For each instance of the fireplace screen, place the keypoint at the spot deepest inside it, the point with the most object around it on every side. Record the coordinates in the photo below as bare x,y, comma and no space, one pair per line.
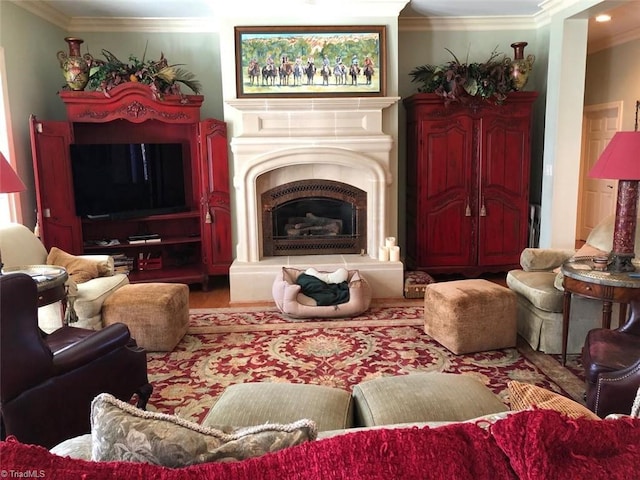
313,217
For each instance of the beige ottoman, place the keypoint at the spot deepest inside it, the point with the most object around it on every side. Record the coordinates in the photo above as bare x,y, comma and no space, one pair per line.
468,316
157,314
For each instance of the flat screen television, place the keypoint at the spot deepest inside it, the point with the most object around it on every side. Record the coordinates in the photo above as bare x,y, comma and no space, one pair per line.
127,180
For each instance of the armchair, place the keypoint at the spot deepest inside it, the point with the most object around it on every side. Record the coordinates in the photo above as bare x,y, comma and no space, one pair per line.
47,382
611,360
538,286
19,246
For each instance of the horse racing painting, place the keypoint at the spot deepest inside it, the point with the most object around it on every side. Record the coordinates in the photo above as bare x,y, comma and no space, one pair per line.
310,61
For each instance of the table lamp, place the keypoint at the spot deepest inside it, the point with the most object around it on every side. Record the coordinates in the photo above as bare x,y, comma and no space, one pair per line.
9,183
619,161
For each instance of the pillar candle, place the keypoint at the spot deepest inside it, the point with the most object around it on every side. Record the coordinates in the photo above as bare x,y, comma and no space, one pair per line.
394,254
383,254
390,242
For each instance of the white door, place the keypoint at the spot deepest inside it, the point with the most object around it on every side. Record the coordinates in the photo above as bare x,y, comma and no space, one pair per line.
597,197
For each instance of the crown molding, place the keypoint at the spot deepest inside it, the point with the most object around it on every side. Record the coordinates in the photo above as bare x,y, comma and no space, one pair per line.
146,25
597,46
420,24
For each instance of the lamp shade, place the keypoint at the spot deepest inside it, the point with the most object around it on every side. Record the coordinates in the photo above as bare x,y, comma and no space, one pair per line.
9,180
620,160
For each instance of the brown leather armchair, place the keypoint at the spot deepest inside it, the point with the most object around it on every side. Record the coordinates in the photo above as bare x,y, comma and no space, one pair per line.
47,382
611,360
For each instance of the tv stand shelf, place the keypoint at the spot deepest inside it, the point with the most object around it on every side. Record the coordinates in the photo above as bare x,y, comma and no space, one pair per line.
195,243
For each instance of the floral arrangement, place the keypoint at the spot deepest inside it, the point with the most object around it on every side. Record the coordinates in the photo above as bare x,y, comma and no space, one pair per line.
457,81
164,79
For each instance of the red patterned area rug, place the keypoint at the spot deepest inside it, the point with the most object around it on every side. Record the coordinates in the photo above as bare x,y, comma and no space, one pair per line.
230,345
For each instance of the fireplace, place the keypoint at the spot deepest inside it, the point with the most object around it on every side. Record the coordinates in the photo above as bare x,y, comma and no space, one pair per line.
326,157
314,217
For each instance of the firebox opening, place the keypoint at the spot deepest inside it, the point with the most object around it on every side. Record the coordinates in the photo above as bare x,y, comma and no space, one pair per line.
313,218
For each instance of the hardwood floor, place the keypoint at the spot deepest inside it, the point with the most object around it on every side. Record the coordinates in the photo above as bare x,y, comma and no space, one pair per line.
218,295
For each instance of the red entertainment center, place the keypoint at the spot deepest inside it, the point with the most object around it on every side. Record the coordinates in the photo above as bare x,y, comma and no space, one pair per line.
191,241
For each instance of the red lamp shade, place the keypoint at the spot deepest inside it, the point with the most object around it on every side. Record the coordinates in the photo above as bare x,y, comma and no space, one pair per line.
9,180
620,159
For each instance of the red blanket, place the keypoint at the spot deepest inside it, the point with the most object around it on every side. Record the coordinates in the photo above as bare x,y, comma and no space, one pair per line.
534,445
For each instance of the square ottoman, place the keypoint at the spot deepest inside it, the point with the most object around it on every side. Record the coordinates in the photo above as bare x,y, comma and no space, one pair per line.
157,314
423,397
255,403
467,316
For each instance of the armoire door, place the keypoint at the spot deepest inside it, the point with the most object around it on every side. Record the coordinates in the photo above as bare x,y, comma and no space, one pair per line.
217,251
446,192
503,191
59,225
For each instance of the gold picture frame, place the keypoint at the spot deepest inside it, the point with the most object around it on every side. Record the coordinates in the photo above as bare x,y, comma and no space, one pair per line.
315,61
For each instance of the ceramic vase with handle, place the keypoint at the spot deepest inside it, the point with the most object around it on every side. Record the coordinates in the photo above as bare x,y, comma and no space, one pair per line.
75,66
520,66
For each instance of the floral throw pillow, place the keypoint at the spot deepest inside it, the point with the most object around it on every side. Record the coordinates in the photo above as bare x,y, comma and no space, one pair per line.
120,431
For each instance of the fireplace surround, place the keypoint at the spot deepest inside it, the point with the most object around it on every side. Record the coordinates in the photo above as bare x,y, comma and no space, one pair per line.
320,141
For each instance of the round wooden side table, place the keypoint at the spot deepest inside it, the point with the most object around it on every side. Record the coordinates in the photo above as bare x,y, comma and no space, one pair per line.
50,280
581,278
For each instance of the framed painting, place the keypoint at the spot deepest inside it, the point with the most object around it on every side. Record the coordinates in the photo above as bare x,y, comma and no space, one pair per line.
315,61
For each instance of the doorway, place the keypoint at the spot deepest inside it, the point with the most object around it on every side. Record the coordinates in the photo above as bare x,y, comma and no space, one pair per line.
596,196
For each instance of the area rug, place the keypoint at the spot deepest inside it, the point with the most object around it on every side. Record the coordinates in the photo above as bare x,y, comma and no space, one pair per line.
228,345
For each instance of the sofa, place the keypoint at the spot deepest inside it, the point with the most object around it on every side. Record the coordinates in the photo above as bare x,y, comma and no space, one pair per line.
91,277
545,440
538,286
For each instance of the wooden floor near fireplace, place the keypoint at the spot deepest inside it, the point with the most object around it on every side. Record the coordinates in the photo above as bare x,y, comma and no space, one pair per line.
218,294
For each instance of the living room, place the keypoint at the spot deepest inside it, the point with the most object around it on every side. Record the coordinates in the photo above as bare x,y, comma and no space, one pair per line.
566,82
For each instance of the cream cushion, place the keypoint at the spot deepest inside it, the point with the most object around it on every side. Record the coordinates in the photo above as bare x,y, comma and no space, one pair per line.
252,403
423,397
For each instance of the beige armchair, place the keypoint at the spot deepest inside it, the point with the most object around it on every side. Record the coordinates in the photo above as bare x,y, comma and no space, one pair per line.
538,286
20,247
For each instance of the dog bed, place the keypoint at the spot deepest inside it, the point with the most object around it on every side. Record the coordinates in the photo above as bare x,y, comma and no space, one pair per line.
291,301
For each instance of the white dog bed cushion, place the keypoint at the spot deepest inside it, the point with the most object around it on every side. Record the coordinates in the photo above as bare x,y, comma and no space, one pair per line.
290,300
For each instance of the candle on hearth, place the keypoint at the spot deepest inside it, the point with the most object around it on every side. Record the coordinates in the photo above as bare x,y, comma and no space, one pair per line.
383,254
390,242
394,254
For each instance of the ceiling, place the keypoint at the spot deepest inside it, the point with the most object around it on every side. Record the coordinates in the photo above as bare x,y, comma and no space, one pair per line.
625,13
199,8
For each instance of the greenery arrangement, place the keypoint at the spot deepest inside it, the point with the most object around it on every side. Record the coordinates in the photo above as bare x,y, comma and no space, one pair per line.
164,79
457,81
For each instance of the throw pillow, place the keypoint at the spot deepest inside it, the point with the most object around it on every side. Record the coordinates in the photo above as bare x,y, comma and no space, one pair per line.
120,431
524,396
79,269
542,445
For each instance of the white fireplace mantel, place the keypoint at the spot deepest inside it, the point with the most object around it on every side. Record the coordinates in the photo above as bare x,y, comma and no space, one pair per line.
280,140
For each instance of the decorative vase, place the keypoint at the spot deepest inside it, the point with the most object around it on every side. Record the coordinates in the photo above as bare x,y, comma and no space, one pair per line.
75,66
520,66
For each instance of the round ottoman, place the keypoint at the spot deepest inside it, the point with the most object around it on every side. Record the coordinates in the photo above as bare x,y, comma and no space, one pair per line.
157,314
467,316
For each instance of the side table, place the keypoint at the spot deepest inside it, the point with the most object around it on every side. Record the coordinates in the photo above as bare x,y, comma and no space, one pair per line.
50,280
581,278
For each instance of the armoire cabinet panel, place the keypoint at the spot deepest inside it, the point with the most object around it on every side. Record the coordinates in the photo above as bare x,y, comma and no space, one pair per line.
193,243
58,224
467,183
